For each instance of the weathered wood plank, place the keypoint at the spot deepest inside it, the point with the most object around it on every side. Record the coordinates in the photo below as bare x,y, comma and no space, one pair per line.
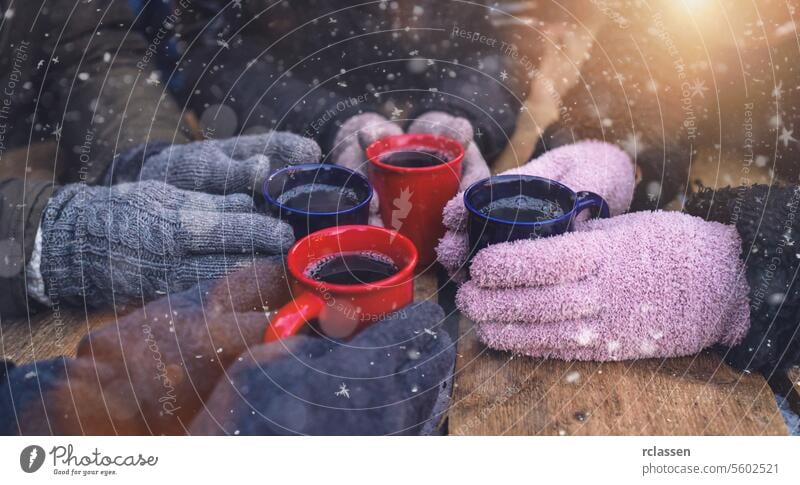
497,393
48,334
787,385
426,287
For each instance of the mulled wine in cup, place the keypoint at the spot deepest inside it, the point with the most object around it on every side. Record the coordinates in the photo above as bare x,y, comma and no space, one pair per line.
316,196
345,278
507,208
415,175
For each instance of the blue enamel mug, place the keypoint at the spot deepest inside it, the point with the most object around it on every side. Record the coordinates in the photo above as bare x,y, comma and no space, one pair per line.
507,208
314,196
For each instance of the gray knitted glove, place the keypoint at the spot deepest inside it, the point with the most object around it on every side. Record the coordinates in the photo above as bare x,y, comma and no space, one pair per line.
232,165
139,240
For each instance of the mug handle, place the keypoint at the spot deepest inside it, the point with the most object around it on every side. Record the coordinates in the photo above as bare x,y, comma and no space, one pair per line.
293,316
597,205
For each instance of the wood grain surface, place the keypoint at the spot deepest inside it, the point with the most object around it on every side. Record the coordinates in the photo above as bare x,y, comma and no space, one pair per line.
497,393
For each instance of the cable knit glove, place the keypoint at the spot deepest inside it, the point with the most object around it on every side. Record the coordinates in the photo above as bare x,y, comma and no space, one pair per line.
233,165
640,285
588,165
392,378
103,245
362,130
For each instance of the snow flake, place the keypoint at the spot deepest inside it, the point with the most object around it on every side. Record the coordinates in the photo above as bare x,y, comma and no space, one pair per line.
396,113
585,337
153,79
778,91
786,137
632,144
573,377
698,88
503,75
648,348
343,391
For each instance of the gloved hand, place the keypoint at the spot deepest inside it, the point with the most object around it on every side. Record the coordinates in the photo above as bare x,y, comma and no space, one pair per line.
640,285
58,396
360,131
392,378
588,165
104,245
232,165
149,371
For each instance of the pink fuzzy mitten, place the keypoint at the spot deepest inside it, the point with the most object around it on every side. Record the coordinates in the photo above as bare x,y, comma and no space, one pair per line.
596,166
646,284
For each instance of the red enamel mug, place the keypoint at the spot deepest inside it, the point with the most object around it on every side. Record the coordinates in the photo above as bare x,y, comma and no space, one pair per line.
412,198
341,310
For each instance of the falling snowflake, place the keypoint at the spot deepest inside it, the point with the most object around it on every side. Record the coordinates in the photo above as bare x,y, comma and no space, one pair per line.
503,75
786,137
153,79
778,91
343,391
396,113
698,88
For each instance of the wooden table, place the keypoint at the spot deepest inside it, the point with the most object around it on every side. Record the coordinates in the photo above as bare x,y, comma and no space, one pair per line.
498,393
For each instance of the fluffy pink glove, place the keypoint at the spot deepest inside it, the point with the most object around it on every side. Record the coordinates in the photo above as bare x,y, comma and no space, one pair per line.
588,165
360,131
646,284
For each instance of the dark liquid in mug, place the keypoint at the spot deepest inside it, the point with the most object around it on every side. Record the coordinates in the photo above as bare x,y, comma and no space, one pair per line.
523,208
319,198
411,157
352,268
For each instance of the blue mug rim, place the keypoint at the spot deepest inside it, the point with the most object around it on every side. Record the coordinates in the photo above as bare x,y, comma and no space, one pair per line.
475,185
316,166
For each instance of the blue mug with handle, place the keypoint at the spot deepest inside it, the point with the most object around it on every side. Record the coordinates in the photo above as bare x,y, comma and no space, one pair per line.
507,208
315,196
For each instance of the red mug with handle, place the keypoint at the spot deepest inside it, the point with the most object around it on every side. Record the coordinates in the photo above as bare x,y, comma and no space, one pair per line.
414,191
344,309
